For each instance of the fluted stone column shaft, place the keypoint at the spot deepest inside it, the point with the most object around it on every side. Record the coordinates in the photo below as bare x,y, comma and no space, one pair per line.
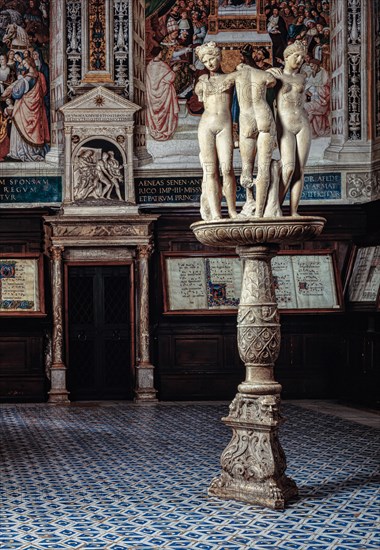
58,392
144,391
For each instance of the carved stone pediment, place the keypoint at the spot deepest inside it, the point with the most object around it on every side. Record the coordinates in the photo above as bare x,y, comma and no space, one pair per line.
99,157
99,104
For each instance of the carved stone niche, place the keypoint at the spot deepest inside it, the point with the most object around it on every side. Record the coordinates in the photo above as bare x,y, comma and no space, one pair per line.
99,157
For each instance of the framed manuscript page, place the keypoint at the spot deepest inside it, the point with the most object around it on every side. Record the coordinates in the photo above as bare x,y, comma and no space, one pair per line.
363,280
196,283
21,285
307,281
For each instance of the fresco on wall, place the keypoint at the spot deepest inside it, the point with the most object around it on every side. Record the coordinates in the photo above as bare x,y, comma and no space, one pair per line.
175,27
234,7
24,80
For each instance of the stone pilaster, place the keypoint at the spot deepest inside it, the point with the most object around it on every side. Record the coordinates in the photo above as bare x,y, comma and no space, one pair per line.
58,392
144,390
57,79
351,82
139,90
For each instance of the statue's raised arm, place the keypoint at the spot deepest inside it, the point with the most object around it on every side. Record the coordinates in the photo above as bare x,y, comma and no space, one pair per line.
293,127
215,134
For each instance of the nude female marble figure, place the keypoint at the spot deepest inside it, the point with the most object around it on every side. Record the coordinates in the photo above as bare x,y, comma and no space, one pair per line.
257,133
215,134
293,127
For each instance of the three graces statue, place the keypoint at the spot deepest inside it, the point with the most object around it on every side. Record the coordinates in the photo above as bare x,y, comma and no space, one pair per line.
260,132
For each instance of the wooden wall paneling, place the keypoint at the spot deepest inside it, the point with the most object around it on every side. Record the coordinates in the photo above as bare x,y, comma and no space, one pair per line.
314,350
22,376
22,368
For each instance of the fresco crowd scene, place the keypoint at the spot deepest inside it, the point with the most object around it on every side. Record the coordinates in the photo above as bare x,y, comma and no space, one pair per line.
176,28
24,80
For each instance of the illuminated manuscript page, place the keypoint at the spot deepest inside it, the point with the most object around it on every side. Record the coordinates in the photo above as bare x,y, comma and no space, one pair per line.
365,279
19,285
284,285
186,283
314,282
224,275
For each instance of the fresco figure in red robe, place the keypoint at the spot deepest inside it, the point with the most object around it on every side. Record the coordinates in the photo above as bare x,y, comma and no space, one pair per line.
30,130
162,102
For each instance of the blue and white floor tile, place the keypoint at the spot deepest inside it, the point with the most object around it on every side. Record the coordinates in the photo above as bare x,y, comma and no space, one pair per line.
118,476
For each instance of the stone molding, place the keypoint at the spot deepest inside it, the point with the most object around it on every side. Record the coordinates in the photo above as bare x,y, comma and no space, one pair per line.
237,232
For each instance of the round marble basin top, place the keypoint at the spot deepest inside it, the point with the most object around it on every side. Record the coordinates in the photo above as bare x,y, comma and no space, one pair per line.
251,231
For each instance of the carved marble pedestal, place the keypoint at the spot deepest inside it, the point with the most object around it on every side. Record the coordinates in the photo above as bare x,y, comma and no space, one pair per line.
253,463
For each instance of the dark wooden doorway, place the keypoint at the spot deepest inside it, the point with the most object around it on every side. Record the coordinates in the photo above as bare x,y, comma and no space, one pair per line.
99,332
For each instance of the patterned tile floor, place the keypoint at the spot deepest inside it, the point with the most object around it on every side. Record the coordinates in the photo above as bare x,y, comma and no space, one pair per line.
118,476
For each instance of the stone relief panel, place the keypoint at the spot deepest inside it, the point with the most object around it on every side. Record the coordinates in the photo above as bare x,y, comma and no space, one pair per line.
24,80
98,171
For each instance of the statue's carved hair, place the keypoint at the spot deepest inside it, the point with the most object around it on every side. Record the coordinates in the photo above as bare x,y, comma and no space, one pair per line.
296,47
209,48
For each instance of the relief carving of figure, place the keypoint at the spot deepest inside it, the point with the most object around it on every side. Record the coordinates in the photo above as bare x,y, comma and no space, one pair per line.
215,134
293,127
103,175
114,170
84,170
96,175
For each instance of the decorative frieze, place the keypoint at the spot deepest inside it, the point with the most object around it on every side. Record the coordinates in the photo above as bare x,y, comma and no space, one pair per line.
354,33
97,35
98,44
113,254
354,95
121,47
106,230
101,117
363,186
376,80
74,44
354,22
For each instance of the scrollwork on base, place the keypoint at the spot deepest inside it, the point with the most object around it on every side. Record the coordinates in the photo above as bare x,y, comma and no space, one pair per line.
253,463
271,493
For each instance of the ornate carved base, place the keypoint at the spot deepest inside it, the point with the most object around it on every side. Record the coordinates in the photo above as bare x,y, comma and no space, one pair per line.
253,463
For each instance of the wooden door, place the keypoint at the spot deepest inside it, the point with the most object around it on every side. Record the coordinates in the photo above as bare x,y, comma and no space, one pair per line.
99,332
